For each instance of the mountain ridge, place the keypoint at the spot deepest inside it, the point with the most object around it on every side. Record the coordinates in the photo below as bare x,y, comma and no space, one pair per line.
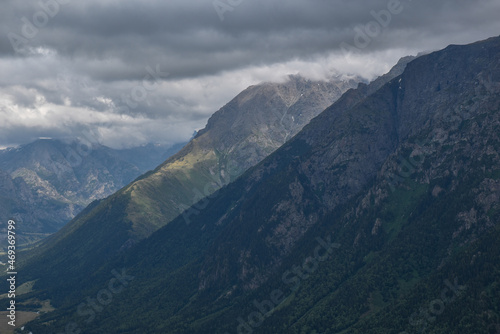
50,180
198,169
110,242
352,177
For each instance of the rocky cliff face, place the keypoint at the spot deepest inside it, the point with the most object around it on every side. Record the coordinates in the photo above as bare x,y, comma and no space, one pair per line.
448,100
241,134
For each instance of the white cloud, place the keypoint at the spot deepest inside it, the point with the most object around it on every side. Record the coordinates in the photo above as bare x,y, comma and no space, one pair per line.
91,54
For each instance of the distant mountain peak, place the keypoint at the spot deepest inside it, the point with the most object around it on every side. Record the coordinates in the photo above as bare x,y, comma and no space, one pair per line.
51,180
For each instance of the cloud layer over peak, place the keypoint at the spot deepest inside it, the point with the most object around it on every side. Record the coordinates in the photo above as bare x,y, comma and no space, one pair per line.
140,71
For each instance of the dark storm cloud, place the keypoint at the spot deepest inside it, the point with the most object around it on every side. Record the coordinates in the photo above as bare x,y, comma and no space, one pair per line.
91,55
190,40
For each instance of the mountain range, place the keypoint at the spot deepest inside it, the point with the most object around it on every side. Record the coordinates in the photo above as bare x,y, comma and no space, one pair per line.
239,135
378,216
48,182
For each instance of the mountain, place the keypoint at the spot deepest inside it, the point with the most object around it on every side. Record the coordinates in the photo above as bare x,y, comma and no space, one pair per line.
148,157
47,182
242,133
239,135
380,216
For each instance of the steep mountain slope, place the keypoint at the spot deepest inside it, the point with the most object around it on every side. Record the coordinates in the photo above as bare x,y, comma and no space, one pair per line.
47,182
238,136
375,208
242,133
148,157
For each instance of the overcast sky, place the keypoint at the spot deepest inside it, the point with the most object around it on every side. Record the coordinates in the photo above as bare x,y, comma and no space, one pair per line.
133,72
